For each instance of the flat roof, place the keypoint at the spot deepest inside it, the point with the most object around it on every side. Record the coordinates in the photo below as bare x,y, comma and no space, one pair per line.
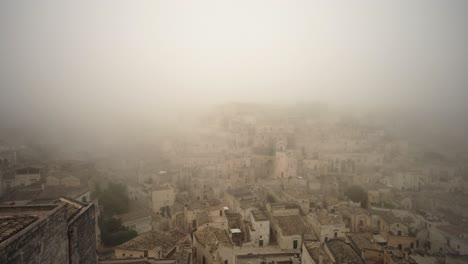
292,225
259,215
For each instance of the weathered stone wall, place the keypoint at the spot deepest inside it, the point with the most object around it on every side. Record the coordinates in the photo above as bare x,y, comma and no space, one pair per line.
82,235
45,242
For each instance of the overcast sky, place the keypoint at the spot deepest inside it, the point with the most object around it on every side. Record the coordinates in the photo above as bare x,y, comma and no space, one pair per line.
77,59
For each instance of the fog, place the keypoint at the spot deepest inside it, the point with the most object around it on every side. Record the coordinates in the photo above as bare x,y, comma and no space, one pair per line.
233,131
87,71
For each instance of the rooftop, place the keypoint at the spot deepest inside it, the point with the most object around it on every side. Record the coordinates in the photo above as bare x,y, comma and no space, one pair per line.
212,237
240,193
329,219
316,250
349,210
10,225
276,257
13,219
398,257
280,206
72,207
234,220
361,242
246,204
343,252
292,225
150,240
387,216
203,218
259,215
452,229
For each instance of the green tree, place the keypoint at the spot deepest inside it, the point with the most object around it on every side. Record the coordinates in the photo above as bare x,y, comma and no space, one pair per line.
357,194
114,199
113,233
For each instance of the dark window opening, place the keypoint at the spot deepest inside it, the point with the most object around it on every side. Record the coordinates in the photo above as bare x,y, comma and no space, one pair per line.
295,242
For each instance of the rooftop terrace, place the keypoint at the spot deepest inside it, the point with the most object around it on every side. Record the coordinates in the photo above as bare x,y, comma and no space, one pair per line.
13,219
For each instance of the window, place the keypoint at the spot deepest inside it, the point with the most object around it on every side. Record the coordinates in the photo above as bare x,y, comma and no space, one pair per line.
399,232
336,234
400,247
260,243
326,239
83,199
411,245
295,244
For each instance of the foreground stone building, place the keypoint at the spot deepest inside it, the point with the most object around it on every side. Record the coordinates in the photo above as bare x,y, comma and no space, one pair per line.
54,233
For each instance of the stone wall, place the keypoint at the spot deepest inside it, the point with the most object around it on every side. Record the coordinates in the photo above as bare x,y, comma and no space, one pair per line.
82,237
44,242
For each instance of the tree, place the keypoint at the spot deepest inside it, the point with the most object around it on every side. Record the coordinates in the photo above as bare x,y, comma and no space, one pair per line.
114,199
113,233
357,194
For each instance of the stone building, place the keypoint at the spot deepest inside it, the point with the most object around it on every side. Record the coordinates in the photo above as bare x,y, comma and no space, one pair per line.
283,209
370,252
356,219
260,228
62,179
389,224
241,200
153,245
393,256
289,231
447,238
213,246
327,226
26,176
162,197
342,252
285,164
54,233
313,252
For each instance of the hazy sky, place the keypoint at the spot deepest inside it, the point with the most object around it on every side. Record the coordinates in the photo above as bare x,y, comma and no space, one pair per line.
76,59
